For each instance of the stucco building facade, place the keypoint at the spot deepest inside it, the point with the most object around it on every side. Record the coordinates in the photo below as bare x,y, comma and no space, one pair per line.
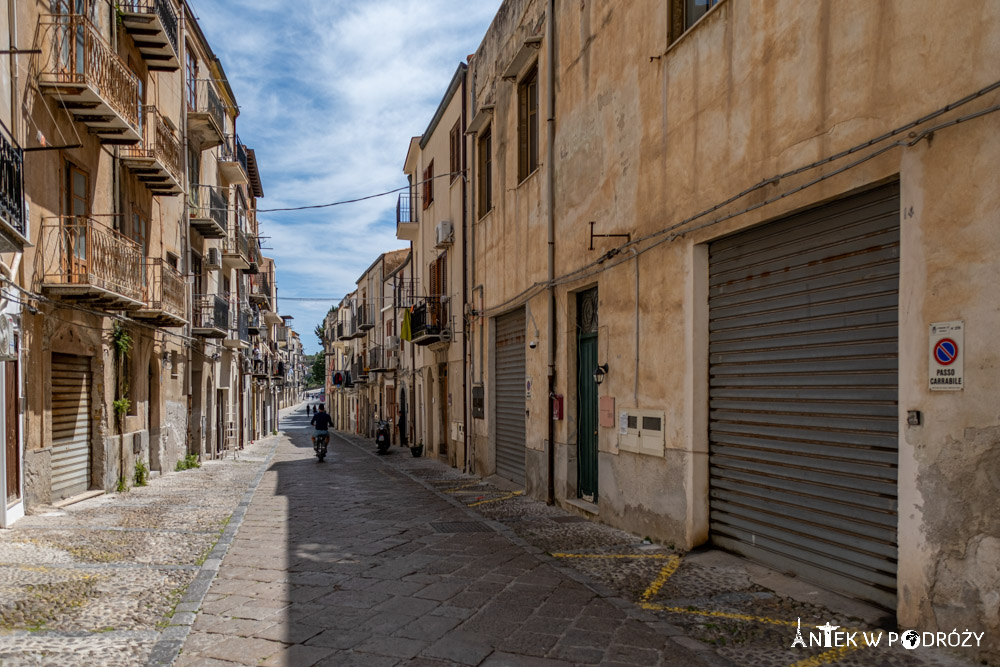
720,262
128,287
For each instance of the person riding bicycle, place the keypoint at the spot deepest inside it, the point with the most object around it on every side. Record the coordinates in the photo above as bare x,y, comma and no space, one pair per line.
321,422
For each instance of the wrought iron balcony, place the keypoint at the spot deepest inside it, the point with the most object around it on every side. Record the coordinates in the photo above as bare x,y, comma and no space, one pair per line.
209,206
153,26
239,325
253,326
12,187
381,359
233,160
260,289
339,333
156,160
165,291
281,334
81,71
85,261
366,317
359,373
429,321
206,115
210,316
407,226
236,249
262,367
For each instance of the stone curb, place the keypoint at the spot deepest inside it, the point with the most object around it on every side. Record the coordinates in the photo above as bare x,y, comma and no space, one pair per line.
171,640
705,652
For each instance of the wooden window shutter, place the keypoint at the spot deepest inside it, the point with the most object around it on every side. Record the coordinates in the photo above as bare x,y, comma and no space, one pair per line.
434,291
443,275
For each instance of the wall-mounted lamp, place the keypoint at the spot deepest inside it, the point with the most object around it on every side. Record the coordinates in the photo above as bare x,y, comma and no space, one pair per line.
599,373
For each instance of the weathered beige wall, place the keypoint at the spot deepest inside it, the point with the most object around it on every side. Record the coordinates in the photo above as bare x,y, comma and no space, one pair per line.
649,136
446,205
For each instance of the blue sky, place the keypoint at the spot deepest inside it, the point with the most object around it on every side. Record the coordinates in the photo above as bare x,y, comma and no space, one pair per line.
330,93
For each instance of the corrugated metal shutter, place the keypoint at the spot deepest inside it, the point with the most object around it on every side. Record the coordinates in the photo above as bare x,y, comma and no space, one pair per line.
509,391
803,394
70,425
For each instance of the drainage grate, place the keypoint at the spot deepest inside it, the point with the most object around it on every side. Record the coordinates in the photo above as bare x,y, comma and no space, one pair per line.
571,518
461,527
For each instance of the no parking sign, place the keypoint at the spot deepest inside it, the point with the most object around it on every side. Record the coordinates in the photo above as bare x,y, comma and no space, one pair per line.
946,346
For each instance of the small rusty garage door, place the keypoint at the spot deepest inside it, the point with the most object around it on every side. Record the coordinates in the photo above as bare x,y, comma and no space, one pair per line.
509,377
70,425
803,394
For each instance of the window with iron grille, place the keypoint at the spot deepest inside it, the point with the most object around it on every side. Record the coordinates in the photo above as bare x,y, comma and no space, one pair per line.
527,125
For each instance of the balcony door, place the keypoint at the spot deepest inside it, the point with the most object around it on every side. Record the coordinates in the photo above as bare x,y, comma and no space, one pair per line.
75,259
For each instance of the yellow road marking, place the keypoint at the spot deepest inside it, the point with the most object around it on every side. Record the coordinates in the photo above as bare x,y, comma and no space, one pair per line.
718,614
652,556
673,562
459,488
496,500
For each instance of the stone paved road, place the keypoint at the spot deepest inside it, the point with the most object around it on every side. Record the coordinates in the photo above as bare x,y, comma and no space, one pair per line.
392,560
352,562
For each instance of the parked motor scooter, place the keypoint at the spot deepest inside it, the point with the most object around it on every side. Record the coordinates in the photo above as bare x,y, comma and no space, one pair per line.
320,443
382,435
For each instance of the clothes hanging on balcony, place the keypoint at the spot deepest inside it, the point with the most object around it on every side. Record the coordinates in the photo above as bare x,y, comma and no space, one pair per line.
405,331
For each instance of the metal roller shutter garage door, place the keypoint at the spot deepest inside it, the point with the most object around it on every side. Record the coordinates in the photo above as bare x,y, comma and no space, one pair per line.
70,425
803,394
510,404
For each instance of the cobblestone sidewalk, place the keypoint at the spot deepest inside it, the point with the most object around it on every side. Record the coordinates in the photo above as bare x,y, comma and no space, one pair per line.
715,602
113,579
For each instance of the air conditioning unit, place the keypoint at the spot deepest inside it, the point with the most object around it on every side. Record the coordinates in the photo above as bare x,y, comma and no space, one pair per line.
214,259
8,346
444,233
392,342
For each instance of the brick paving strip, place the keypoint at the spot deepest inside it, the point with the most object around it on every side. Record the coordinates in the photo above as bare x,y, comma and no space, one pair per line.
116,579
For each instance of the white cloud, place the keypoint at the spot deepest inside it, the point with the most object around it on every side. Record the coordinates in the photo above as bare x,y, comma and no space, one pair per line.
330,93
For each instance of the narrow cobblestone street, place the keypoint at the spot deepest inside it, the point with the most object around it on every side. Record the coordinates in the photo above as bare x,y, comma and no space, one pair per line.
275,559
351,562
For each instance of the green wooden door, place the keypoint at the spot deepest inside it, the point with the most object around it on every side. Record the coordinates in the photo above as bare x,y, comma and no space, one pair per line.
586,392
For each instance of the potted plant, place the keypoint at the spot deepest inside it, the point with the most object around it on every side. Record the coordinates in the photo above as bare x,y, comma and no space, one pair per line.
417,450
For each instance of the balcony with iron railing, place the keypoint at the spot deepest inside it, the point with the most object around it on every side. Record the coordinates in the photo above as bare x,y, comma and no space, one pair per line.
359,372
12,187
206,116
156,160
339,332
233,160
381,359
407,226
365,317
281,334
236,249
82,73
260,289
153,26
165,291
429,322
210,316
209,210
254,325
239,326
86,261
